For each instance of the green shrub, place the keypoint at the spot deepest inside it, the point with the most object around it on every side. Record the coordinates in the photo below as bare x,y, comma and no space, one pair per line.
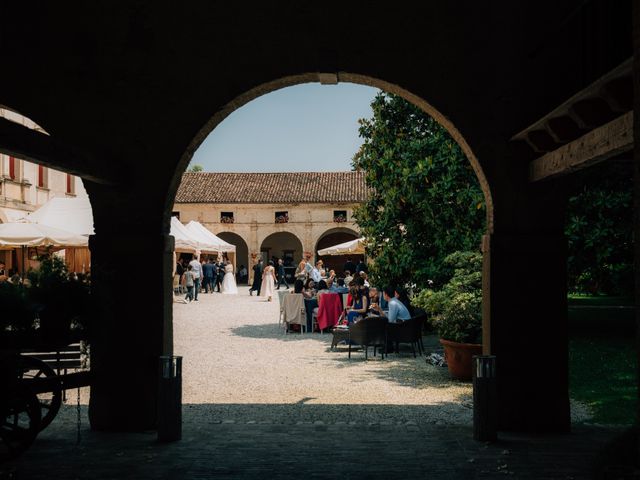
455,310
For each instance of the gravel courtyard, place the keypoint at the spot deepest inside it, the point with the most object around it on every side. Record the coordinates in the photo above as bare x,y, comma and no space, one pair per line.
239,366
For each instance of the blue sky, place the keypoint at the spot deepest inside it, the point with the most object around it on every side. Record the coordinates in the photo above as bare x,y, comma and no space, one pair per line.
308,127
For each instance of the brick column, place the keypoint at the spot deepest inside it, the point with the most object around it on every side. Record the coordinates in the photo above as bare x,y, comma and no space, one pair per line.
132,325
525,302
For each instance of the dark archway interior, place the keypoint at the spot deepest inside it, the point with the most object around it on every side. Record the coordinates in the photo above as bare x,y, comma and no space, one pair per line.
242,251
283,245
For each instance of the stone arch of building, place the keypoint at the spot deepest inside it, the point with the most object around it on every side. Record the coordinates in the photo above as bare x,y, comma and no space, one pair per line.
330,231
242,247
282,244
334,236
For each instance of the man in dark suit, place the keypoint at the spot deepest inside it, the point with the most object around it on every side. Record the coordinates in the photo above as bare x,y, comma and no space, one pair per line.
349,266
209,272
257,278
362,267
282,277
220,275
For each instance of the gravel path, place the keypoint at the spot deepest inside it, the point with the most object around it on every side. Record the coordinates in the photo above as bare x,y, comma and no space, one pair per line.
239,366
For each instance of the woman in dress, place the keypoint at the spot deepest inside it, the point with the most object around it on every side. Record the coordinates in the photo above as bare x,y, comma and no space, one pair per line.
229,281
360,303
268,281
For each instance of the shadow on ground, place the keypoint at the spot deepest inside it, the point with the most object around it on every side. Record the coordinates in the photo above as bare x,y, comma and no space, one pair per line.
309,449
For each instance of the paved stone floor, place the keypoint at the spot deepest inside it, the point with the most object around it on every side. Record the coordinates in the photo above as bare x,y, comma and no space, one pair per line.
304,450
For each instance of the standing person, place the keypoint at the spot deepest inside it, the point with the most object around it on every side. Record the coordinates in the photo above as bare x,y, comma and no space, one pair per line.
209,272
257,278
229,282
349,267
243,274
179,270
281,275
196,269
301,271
315,272
268,281
219,275
189,282
362,267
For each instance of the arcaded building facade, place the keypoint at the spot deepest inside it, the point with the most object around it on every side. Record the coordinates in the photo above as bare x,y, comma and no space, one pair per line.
271,215
25,186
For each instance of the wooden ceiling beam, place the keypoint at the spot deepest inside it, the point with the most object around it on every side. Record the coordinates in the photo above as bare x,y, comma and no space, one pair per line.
27,144
604,142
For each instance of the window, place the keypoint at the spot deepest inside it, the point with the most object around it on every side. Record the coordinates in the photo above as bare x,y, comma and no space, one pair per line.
282,217
226,217
71,186
42,177
339,216
12,168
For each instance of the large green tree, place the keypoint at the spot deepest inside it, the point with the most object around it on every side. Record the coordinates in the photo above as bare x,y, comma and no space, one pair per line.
599,230
425,200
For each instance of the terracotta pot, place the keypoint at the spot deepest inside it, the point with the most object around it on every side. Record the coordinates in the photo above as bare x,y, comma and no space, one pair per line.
458,357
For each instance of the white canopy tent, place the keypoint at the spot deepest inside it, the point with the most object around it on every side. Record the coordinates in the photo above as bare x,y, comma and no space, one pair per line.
199,231
184,242
353,246
24,234
70,214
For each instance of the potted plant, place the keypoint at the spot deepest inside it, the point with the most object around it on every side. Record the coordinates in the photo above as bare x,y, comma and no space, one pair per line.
456,312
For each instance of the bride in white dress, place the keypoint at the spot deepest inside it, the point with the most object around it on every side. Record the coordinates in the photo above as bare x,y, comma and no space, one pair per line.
229,281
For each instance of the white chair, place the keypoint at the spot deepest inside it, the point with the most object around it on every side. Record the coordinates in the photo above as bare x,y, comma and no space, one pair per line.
281,294
294,312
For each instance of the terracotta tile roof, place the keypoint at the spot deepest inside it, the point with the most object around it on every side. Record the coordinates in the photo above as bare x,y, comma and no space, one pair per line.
299,187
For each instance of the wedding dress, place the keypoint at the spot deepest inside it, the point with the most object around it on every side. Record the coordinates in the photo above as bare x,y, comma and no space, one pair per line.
229,281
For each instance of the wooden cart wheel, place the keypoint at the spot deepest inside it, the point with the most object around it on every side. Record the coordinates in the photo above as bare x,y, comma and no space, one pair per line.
20,414
31,367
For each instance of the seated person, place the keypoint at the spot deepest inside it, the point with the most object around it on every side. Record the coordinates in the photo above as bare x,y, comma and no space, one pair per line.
398,313
322,289
348,278
375,298
309,289
360,304
298,286
365,278
401,294
338,286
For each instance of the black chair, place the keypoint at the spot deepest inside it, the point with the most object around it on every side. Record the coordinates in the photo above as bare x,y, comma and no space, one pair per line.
409,331
369,332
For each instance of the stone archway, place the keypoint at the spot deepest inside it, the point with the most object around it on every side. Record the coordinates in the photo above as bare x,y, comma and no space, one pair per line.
242,250
331,237
285,245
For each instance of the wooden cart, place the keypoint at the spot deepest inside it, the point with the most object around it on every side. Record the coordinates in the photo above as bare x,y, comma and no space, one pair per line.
34,393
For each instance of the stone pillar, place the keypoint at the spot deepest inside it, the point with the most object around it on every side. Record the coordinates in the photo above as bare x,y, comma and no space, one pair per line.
254,249
526,327
132,325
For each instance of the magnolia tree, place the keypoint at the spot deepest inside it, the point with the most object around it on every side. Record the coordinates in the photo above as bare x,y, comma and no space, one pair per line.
425,200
